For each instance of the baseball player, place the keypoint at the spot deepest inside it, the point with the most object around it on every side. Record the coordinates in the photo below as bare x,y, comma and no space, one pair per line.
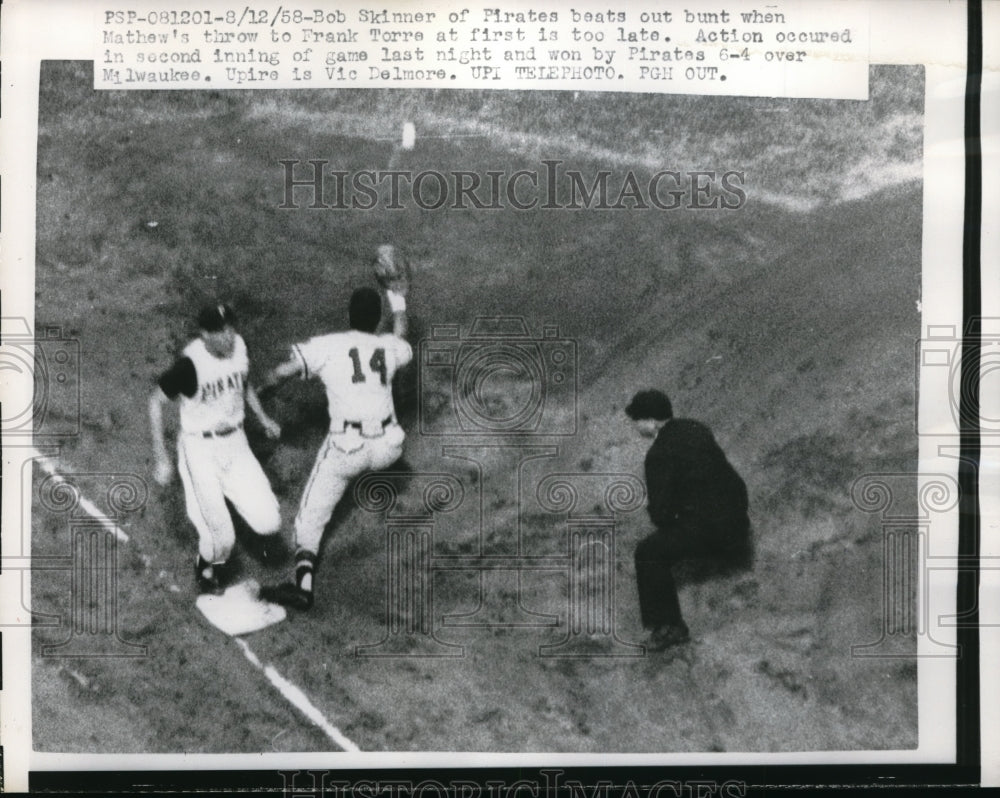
356,368
213,456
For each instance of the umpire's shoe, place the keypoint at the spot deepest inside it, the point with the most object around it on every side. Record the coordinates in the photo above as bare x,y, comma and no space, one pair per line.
288,595
667,636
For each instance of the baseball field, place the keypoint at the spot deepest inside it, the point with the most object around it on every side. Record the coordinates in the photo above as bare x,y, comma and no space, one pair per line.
787,324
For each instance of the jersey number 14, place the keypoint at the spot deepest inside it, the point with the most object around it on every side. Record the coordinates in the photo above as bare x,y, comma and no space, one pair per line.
376,364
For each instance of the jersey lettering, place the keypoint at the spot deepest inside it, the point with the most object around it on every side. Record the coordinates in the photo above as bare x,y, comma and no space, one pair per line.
213,390
220,396
358,375
356,369
376,364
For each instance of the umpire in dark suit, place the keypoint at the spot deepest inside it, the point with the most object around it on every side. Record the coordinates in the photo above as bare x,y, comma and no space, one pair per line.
698,504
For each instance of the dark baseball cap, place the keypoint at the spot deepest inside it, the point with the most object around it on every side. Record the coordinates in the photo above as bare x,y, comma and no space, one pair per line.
650,404
213,318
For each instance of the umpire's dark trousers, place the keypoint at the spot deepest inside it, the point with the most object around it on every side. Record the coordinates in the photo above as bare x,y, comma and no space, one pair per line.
726,543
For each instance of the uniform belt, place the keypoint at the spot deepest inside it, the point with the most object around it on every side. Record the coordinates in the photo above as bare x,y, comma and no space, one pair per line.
222,433
359,425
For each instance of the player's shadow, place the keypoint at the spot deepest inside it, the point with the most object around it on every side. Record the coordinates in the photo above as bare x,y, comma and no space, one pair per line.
732,573
277,549
358,546
270,550
248,541
299,406
699,569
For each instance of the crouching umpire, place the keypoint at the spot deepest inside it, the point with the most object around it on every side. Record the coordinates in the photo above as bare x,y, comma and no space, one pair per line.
698,504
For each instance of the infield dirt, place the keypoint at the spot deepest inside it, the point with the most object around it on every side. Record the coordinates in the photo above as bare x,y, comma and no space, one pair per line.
788,326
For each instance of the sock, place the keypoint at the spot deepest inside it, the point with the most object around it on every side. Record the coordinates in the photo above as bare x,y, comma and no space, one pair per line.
305,563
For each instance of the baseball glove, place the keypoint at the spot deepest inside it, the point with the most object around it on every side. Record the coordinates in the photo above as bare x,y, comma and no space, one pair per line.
392,269
288,595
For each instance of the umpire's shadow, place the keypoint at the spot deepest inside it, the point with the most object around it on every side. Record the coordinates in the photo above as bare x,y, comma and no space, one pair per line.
735,572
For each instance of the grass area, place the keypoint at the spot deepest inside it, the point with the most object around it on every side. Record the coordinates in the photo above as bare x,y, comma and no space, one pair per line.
790,331
805,152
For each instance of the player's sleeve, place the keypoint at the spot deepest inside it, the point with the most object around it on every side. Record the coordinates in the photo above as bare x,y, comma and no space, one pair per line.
401,350
180,378
311,355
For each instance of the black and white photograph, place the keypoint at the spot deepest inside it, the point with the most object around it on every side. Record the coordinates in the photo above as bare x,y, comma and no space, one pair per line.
470,422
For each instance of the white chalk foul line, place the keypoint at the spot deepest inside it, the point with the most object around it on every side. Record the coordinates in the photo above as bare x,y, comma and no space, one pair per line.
88,507
297,698
289,691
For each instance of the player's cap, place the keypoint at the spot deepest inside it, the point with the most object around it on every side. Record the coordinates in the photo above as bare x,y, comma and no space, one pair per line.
214,318
650,404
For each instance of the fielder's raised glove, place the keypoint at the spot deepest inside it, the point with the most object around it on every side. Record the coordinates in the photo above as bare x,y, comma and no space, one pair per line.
392,269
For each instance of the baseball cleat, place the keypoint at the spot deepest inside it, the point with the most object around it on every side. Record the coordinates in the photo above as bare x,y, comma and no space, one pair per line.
288,595
664,637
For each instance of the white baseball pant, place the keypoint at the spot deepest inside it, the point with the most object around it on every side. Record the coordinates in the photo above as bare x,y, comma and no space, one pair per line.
342,456
217,468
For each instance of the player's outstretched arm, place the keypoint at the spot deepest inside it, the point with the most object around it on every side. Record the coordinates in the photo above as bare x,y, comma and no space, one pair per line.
290,368
163,470
392,272
396,294
271,427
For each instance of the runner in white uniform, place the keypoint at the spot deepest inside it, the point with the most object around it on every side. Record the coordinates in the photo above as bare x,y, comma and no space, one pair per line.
356,367
213,456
